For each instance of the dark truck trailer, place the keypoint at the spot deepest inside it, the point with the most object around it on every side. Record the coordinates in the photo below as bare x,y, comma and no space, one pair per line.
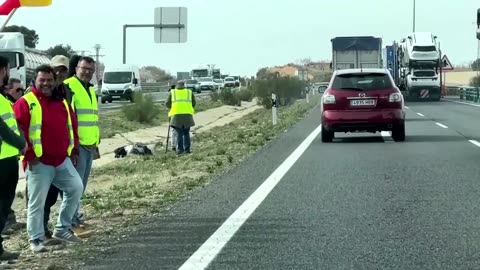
356,52
183,75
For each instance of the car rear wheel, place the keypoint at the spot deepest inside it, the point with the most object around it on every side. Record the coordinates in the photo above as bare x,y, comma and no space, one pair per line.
398,133
327,136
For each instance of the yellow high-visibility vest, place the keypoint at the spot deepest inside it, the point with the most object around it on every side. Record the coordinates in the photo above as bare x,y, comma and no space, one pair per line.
181,102
35,129
6,113
86,110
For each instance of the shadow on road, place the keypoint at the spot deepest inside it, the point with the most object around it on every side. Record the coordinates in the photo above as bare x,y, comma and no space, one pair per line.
359,139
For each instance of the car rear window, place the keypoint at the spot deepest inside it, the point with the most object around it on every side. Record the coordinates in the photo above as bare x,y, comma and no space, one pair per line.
363,81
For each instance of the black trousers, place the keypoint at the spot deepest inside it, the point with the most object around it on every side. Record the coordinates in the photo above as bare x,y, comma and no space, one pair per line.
8,186
52,197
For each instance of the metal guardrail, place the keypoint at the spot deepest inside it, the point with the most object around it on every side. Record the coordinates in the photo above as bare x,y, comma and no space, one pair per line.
470,94
154,87
467,93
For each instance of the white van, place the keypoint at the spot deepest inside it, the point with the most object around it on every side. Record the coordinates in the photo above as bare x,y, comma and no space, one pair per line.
120,82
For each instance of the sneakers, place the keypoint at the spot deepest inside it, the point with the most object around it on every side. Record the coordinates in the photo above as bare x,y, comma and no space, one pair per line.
67,236
8,256
37,246
50,241
82,231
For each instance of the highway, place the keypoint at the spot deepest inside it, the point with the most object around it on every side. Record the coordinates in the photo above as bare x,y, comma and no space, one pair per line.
157,97
361,202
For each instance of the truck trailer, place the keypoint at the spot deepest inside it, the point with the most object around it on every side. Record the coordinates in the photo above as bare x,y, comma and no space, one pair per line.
356,52
23,60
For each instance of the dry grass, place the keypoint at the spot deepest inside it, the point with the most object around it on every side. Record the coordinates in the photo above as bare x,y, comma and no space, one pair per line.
141,187
115,122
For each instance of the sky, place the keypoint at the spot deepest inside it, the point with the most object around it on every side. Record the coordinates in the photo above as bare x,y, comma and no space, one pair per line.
240,37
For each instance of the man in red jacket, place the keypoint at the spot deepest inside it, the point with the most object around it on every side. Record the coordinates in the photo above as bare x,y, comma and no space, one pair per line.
50,127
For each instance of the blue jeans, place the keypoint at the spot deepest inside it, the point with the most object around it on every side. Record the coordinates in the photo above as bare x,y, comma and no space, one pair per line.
183,139
39,179
84,166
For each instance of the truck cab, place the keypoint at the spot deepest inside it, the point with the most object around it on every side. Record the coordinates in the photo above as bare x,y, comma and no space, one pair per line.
120,82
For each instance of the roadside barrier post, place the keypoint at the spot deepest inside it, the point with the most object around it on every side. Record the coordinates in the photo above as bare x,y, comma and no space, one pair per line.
274,108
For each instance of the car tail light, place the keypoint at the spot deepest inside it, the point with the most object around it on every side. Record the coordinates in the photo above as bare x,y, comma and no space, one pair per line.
395,97
328,99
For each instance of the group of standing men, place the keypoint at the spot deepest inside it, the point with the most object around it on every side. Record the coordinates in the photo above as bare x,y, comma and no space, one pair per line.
53,129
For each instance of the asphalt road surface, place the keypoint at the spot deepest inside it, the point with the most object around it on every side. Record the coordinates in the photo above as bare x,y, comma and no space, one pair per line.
361,202
157,96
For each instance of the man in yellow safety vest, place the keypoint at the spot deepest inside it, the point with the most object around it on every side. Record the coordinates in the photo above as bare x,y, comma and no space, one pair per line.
84,102
12,144
50,127
181,103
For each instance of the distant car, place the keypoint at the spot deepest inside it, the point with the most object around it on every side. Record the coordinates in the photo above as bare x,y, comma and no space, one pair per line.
192,84
206,83
364,100
229,82
219,83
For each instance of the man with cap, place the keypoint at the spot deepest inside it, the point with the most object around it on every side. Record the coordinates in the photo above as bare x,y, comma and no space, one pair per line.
181,103
60,65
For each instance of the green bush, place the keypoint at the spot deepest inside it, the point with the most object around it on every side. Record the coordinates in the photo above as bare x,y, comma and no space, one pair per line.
475,81
228,97
245,94
214,96
287,90
143,110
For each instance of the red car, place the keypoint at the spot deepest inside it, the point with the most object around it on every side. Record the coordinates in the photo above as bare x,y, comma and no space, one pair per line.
362,100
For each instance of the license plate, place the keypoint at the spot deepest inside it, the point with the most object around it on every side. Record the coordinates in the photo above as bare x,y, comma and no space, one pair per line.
362,102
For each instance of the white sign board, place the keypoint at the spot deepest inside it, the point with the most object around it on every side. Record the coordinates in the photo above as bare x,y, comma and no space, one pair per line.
172,24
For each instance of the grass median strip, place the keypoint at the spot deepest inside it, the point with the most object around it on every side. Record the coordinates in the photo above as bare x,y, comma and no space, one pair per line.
149,182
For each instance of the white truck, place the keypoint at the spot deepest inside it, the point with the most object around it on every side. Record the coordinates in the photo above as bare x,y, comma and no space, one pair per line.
200,71
419,61
356,52
23,60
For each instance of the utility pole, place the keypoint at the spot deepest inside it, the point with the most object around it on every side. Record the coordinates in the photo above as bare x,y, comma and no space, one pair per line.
97,48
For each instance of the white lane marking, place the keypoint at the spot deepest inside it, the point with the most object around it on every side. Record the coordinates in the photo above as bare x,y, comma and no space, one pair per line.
441,125
420,114
406,107
464,103
475,142
387,136
212,247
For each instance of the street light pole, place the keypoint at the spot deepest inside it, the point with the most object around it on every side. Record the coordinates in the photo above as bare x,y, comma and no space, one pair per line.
413,16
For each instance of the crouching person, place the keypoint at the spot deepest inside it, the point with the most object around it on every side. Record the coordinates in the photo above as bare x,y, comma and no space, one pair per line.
50,128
